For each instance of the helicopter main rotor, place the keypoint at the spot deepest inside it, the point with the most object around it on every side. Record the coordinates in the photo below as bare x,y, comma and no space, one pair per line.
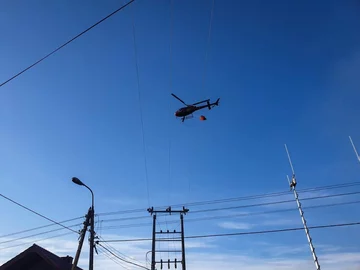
206,100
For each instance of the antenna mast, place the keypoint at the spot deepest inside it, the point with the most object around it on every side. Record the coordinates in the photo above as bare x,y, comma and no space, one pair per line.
307,232
356,153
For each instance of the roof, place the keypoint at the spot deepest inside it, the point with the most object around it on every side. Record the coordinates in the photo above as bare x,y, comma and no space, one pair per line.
36,253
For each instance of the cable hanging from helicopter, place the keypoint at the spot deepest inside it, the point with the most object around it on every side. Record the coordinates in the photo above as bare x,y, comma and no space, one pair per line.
187,112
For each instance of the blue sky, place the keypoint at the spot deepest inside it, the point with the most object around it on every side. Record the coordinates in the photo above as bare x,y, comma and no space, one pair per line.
285,73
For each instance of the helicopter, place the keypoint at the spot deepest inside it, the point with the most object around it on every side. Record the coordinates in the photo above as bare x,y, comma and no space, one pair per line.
185,112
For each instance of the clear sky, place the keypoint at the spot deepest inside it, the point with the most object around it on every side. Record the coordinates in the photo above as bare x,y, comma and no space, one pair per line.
286,72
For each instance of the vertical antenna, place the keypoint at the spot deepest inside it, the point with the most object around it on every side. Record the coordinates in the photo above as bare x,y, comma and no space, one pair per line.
287,152
356,153
307,232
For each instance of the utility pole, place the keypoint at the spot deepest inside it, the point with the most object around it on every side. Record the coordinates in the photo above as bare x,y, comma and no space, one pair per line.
92,236
154,239
293,184
91,213
81,240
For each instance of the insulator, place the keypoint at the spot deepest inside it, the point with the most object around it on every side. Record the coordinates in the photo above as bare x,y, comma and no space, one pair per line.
168,263
161,264
175,263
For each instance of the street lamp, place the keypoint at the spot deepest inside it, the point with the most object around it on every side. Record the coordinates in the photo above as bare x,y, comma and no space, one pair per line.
91,258
78,182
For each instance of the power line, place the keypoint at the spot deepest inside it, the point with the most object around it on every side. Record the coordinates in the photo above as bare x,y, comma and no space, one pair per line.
105,252
271,212
66,43
242,198
245,214
31,242
208,44
116,251
208,210
233,215
198,219
273,194
203,210
138,265
36,213
37,234
140,108
37,228
131,211
276,202
275,231
188,220
144,217
242,206
244,233
170,88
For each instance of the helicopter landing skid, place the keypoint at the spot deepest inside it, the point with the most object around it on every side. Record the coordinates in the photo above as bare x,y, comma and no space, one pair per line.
186,117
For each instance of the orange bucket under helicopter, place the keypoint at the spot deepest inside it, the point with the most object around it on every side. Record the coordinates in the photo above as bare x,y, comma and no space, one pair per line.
202,118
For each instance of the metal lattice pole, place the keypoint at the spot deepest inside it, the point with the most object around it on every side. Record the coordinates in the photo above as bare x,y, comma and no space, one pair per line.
307,232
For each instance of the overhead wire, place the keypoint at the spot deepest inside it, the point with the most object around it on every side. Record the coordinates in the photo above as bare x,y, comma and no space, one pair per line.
37,234
32,242
66,43
273,194
187,220
37,228
36,213
113,258
274,231
117,251
208,43
133,225
140,107
271,211
122,259
244,233
240,198
170,85
169,130
276,202
197,203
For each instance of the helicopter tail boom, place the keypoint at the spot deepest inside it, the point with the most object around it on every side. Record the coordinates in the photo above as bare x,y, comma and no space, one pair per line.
216,103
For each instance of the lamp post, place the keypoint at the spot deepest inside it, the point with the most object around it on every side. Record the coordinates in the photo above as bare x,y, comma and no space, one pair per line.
91,257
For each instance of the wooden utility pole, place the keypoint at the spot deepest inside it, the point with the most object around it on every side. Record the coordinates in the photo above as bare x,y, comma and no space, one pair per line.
81,240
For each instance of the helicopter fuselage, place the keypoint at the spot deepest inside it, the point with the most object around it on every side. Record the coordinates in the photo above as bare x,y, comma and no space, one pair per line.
185,111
